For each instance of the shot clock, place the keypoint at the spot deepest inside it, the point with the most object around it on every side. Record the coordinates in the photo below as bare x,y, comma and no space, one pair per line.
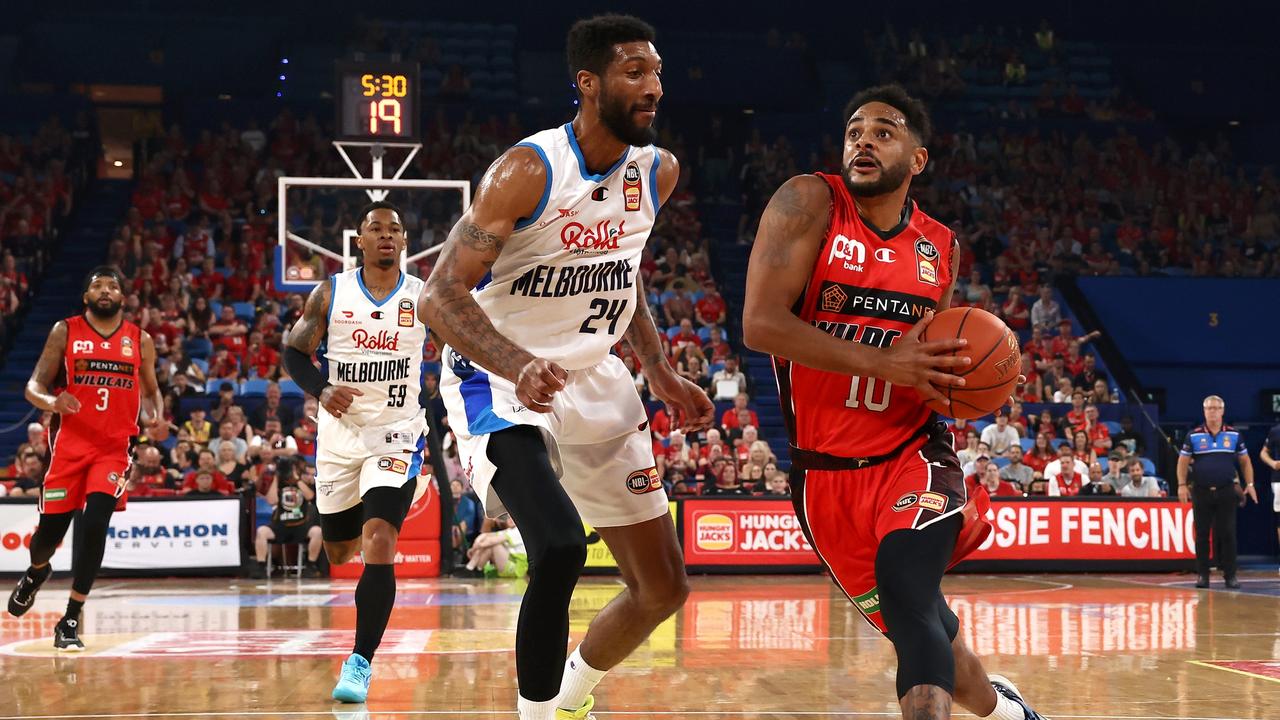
378,101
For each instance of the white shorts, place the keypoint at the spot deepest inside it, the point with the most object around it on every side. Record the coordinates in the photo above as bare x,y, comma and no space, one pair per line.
597,436
352,460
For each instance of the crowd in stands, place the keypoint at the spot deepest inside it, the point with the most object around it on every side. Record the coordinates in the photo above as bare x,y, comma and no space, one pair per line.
41,174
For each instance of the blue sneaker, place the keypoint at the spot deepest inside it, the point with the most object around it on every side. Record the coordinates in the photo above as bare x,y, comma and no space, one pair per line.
353,684
1006,688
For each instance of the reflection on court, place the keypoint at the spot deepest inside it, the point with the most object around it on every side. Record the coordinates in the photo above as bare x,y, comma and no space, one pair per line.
743,647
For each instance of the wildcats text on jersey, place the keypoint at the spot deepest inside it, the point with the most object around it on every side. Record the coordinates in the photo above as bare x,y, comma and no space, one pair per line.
870,334
556,281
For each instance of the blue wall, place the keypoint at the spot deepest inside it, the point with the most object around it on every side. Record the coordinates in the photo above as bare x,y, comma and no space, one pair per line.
1195,337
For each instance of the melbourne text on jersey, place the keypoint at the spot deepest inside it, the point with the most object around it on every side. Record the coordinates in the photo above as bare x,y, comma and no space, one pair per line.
567,281
374,371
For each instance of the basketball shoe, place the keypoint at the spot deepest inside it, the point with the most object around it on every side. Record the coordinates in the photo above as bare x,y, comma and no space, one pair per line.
24,593
582,713
66,636
353,683
1005,687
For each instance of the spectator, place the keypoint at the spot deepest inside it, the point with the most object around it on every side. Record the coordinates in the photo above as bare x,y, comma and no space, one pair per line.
678,308
732,418
1000,436
273,409
1046,312
198,428
710,308
1097,433
37,442
1040,454
1089,372
500,552
969,452
1140,484
777,486
148,474
716,349
729,382
231,463
294,520
975,470
464,515
692,369
686,336
959,429
31,479
1117,476
273,435
1076,415
226,401
223,365
1065,389
726,483
1100,393
206,464
996,487
261,360
204,485
227,435
1083,448
1014,310
1017,472
1066,475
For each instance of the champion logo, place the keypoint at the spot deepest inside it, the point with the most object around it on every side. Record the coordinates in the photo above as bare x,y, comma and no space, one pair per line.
382,341
886,255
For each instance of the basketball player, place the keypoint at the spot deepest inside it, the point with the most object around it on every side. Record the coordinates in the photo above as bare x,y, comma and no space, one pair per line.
845,274
548,421
107,366
363,326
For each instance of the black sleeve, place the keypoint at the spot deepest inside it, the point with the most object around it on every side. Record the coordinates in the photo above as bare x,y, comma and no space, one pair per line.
307,375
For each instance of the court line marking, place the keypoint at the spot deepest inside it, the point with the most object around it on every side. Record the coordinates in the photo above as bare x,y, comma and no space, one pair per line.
362,712
1246,673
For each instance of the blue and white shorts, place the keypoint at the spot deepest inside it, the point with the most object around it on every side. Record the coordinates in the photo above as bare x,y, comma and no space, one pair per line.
597,436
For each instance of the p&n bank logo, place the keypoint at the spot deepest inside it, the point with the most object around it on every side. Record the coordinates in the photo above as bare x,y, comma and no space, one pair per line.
851,253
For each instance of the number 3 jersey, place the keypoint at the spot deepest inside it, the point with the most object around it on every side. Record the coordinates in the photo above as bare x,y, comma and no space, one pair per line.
564,287
869,287
375,347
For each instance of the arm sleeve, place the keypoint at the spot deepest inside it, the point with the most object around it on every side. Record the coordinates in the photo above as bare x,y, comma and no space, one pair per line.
304,373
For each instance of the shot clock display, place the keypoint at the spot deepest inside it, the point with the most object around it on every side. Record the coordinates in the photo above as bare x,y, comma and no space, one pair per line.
378,101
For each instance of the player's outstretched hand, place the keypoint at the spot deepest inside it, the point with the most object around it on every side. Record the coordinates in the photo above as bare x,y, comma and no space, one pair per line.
539,381
337,399
66,404
677,392
924,364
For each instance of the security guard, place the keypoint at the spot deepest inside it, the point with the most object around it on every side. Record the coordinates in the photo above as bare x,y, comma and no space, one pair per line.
1212,451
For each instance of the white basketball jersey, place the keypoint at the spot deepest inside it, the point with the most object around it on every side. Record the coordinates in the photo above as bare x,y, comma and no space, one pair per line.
375,347
564,287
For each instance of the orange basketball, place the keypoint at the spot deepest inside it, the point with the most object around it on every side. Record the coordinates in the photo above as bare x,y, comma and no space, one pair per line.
996,361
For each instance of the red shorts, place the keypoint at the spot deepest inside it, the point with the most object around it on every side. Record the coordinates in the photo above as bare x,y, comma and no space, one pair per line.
846,513
75,471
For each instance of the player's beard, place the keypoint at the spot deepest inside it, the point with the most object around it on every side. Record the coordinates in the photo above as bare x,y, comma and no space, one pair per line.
617,117
386,263
104,312
891,178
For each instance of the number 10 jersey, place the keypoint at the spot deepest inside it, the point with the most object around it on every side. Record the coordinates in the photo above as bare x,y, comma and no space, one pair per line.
564,287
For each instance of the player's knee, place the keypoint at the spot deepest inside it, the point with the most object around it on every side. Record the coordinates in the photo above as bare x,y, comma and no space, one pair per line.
563,558
340,553
660,595
379,538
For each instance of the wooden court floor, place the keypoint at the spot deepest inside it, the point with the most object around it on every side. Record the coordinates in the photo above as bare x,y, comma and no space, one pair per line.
1080,646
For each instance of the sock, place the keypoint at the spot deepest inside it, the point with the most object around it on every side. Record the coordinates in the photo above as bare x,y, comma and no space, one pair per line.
73,609
530,710
38,575
375,595
1007,709
579,680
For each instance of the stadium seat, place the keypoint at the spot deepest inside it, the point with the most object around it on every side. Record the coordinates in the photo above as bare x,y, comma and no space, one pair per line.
1148,467
704,334
978,425
1112,426
212,387
1058,442
245,311
200,348
1027,444
1103,462
1000,461
202,364
289,388
672,332
254,388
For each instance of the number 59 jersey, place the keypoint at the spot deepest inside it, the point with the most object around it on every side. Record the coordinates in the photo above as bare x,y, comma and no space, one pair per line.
564,287
376,348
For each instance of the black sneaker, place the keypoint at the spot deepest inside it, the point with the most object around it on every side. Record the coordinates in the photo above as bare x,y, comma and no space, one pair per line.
66,636
24,594
1006,688
1233,583
1202,581
312,570
258,571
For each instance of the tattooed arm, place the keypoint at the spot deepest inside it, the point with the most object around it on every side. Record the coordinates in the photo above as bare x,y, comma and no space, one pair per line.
664,383
792,233
46,372
510,190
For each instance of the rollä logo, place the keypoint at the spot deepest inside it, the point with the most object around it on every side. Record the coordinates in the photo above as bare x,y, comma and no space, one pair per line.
382,341
581,240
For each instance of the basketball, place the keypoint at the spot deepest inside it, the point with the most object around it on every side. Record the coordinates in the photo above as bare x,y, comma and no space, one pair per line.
996,361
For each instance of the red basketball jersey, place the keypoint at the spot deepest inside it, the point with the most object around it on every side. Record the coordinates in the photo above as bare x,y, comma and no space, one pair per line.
102,373
870,287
